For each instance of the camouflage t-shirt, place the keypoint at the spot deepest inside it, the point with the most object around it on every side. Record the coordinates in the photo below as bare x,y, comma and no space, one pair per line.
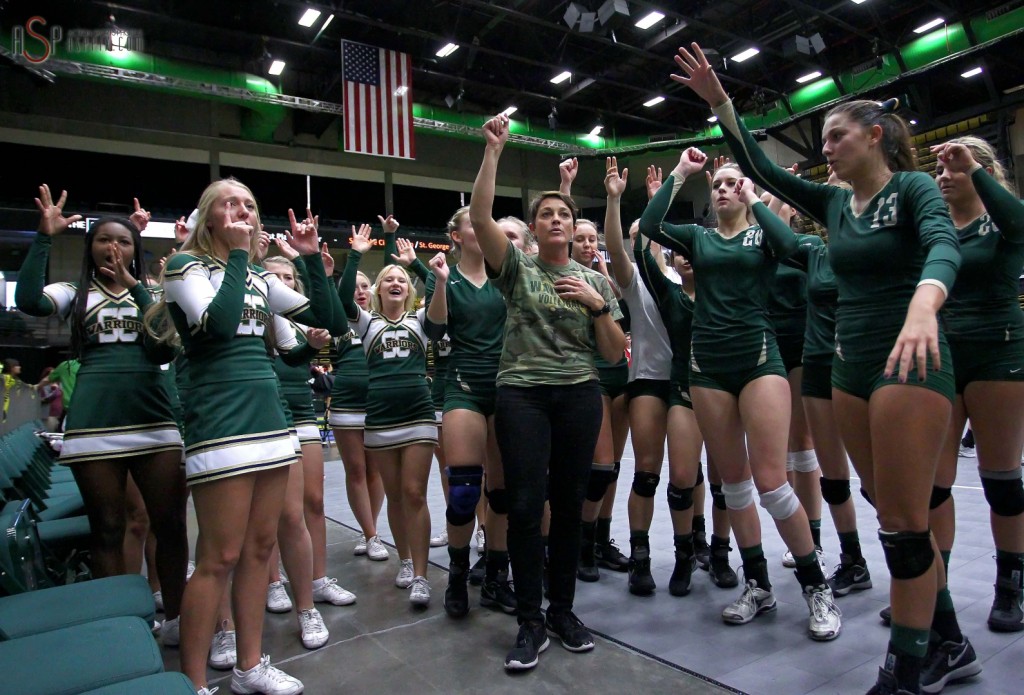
549,341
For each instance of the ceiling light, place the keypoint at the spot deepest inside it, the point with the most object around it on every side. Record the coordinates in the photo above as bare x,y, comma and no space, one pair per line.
913,121
859,2
327,23
654,102
929,25
809,76
596,130
746,55
309,17
447,50
561,77
276,68
510,110
971,73
712,119
650,20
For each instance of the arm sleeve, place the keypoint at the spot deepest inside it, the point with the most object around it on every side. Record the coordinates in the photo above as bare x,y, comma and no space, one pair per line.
390,247
808,197
780,238
303,272
291,344
419,270
318,312
1003,207
935,231
434,331
677,237
650,273
800,258
215,313
348,286
31,296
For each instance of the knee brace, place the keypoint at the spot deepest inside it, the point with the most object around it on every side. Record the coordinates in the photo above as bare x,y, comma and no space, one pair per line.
803,461
601,476
865,495
679,498
739,495
717,497
463,493
1004,491
498,500
700,475
908,554
834,491
645,484
781,503
939,495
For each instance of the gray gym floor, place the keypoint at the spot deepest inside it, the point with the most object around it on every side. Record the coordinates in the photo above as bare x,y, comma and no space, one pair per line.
657,644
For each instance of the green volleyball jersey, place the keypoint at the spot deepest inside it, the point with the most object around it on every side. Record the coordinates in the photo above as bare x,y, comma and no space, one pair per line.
674,306
903,237
549,341
730,323
476,322
822,295
787,304
984,303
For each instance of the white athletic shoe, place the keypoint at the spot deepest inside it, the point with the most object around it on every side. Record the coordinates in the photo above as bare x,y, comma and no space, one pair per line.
264,678
788,560
277,598
751,603
189,572
375,549
314,632
419,593
360,548
223,652
405,575
326,590
825,623
207,691
967,452
170,632
440,539
481,541
158,599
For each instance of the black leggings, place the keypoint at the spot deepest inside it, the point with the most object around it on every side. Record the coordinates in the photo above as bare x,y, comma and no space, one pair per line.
547,436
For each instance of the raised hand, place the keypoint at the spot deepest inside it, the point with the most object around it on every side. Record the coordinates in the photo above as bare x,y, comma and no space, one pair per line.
163,261
140,218
305,236
495,131
567,171
716,164
699,76
286,249
238,233
956,157
653,181
119,273
439,264
318,337
262,243
389,225
327,259
614,184
51,215
745,191
406,252
361,238
181,229
691,160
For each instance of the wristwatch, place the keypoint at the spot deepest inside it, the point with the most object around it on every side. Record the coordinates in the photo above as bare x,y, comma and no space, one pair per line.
603,310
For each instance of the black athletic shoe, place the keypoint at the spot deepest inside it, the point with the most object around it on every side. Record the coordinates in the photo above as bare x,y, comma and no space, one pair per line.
587,570
849,576
886,615
887,685
610,557
679,583
498,595
1007,614
530,642
456,594
570,630
478,571
701,550
947,663
641,583
721,572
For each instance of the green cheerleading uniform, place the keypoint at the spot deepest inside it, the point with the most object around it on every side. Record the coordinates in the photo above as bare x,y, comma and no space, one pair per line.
820,334
903,238
440,350
476,326
234,421
676,310
787,310
121,406
733,339
399,409
291,365
351,382
982,318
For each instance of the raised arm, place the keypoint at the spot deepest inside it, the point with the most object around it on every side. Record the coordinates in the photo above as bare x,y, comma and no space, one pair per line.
615,185
29,294
1003,207
360,245
437,304
650,274
779,237
678,238
567,171
492,240
406,257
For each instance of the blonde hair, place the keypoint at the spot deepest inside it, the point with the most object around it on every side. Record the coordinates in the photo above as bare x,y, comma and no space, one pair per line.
985,155
456,219
281,260
410,300
524,230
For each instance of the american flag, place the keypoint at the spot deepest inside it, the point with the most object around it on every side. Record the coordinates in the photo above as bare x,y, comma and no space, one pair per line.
378,101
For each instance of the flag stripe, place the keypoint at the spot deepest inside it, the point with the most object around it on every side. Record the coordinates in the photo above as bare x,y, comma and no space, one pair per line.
378,101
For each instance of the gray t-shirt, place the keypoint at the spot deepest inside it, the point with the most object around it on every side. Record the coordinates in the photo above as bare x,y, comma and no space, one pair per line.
652,354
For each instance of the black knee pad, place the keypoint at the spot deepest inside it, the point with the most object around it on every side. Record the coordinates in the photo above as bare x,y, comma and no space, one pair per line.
939,495
645,484
834,491
463,493
679,498
600,479
1004,491
865,495
498,500
908,554
718,497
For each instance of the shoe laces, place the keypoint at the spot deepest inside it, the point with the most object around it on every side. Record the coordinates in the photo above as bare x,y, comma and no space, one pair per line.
226,640
747,599
822,606
570,618
312,619
268,672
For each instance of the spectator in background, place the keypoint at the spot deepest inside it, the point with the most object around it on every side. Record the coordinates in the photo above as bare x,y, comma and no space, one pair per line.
52,396
65,375
12,373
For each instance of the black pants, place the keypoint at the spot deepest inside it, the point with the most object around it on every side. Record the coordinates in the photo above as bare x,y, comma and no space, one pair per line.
547,436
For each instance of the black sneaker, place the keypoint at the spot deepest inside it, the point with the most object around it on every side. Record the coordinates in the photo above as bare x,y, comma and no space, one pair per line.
887,685
570,630
641,583
610,557
456,594
679,583
478,571
849,576
530,642
946,663
498,595
701,550
886,615
1007,614
587,570
720,571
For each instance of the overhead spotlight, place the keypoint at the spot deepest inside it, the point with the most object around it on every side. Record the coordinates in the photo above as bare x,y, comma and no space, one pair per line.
611,8
809,76
746,55
587,22
308,17
276,68
929,25
649,20
510,110
712,119
561,77
971,73
654,102
596,130
447,50
572,14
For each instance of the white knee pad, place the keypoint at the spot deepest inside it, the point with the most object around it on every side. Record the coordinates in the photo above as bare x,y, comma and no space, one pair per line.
802,461
739,495
781,503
